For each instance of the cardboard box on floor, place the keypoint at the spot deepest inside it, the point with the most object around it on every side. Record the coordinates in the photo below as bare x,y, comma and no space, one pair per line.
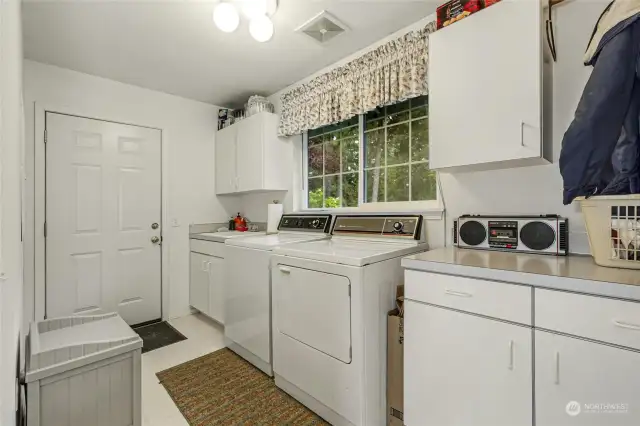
395,361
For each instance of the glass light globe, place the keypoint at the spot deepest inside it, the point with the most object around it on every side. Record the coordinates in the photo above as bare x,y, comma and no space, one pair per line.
261,28
226,17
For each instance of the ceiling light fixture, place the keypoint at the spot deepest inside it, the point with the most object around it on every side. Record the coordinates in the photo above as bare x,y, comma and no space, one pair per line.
259,12
226,17
261,28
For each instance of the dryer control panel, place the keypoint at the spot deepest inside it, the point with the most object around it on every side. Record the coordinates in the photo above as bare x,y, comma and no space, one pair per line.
307,223
388,226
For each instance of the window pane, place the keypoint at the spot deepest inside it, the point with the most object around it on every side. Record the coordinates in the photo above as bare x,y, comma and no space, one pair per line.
315,193
315,141
332,191
420,100
398,183
350,190
350,155
315,160
420,140
419,112
315,132
332,157
375,186
398,112
374,148
423,183
374,119
398,144
350,132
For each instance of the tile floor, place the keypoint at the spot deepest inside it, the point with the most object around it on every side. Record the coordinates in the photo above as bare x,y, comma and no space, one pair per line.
203,336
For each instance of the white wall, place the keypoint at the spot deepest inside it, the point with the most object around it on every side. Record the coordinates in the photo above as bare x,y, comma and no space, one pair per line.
531,190
188,131
11,159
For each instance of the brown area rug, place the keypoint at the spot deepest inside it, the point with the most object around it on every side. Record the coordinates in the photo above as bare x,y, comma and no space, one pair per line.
223,389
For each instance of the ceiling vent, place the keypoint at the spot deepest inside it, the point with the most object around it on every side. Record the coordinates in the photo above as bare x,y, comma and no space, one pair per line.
323,27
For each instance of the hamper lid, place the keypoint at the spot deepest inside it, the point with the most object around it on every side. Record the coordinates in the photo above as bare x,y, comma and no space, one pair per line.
76,341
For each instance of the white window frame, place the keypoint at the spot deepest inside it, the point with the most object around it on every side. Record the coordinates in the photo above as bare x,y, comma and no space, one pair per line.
430,207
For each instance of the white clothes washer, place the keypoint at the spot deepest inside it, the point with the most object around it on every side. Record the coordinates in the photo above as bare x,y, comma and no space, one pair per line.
330,305
247,289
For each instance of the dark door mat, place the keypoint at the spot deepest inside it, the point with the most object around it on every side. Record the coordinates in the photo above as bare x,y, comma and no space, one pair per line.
158,335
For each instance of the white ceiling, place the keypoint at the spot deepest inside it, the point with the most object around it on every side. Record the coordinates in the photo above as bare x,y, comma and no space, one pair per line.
174,47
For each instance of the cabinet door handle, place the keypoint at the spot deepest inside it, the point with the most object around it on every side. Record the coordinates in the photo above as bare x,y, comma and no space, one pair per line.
511,347
626,325
457,293
205,266
557,380
522,123
284,269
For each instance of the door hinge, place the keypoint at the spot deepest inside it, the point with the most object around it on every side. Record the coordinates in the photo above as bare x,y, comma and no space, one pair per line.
349,290
45,229
45,136
350,352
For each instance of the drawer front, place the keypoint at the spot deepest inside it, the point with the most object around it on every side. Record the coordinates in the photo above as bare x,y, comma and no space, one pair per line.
597,318
208,247
493,299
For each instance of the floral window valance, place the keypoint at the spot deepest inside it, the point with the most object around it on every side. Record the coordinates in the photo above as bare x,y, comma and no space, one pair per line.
391,73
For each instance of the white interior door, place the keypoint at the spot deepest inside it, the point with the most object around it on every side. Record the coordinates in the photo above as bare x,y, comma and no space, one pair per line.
103,197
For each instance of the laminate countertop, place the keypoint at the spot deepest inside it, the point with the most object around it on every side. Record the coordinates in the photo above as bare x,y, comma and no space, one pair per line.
570,273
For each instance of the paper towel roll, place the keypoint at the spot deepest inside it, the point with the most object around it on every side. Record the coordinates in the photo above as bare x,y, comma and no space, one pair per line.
274,213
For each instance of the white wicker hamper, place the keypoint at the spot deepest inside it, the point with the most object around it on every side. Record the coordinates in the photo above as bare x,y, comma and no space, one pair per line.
613,225
83,371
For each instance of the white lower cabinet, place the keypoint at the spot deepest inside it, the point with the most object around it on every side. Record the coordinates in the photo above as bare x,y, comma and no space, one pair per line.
583,383
216,282
199,282
464,370
205,286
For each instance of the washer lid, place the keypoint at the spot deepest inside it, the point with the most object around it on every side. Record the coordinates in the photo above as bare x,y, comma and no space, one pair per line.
270,242
351,252
221,237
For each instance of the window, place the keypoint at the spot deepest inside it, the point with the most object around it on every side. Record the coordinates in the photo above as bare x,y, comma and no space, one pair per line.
333,165
391,165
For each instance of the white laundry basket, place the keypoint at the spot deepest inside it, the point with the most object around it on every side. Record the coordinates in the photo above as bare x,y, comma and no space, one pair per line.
613,225
83,371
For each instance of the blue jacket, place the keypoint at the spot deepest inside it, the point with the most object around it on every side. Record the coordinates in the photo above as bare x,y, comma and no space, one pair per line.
601,149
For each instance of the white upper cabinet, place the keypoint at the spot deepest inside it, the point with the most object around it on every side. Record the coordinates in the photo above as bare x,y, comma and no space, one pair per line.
226,161
250,157
486,90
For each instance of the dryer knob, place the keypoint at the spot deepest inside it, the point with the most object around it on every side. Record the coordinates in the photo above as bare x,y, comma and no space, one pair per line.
398,226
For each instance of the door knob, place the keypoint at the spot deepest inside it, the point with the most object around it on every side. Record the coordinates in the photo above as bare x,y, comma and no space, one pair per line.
154,226
155,240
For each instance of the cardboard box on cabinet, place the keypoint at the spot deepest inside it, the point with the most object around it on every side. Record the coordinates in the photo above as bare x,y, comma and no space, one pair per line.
395,362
